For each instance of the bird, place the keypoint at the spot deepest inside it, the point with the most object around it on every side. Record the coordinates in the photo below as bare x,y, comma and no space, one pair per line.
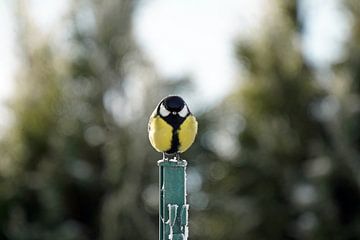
172,127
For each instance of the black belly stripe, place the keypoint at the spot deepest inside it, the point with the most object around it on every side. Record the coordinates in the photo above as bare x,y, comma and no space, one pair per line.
175,122
174,142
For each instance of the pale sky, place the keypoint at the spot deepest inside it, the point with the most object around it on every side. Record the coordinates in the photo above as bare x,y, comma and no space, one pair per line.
189,37
196,38
7,61
326,31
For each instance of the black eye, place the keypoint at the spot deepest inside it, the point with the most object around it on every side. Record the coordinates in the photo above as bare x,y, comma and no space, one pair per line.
174,103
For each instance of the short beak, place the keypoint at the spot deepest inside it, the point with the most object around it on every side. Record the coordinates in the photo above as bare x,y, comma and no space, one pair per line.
174,113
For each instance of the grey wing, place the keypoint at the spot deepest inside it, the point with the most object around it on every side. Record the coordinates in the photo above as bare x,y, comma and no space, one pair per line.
149,124
151,118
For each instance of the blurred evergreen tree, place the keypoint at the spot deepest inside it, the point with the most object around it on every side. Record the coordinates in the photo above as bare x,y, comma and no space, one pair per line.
278,159
77,163
284,161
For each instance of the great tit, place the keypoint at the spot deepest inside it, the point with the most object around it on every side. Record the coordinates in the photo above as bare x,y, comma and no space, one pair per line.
172,127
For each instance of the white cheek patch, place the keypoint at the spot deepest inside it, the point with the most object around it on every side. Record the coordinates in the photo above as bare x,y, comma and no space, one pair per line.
163,111
184,112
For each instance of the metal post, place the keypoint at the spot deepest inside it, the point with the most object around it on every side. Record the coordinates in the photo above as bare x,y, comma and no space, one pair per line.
173,210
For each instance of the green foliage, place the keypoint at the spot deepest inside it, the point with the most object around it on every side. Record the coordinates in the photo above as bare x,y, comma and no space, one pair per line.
277,159
294,174
76,172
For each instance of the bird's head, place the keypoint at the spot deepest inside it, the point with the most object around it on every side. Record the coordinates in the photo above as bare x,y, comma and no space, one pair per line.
173,105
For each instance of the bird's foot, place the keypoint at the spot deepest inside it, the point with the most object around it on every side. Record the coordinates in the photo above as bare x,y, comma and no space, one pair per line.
174,157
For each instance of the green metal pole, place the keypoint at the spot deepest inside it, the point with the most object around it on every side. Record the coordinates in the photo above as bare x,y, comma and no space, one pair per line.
173,210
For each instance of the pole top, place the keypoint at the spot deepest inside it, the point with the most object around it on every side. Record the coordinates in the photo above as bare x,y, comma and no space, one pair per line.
172,163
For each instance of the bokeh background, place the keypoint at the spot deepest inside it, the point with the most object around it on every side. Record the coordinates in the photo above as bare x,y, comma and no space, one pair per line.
275,86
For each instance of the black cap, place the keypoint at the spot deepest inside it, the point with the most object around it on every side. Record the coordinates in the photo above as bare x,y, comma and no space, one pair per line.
174,103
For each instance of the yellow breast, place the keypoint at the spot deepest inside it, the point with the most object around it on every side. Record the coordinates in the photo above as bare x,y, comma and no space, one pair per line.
160,134
187,133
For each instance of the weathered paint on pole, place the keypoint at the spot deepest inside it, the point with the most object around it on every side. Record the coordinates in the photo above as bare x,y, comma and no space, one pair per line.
173,209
